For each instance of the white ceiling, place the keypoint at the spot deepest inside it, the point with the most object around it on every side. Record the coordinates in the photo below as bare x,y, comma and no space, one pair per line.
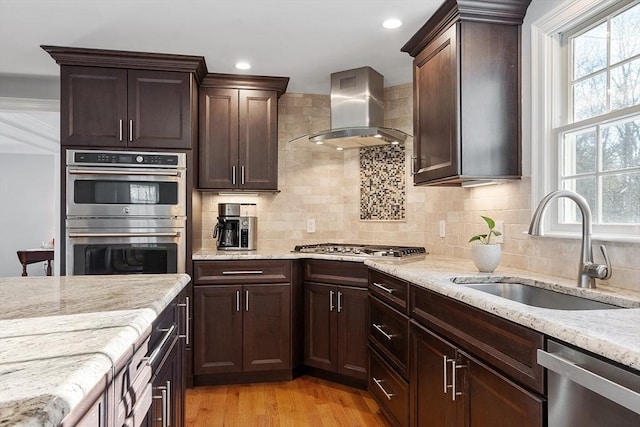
305,40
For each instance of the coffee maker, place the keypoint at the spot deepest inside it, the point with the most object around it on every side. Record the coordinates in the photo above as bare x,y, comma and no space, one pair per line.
237,227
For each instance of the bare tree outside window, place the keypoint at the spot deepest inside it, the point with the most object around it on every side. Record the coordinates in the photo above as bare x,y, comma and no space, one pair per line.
601,160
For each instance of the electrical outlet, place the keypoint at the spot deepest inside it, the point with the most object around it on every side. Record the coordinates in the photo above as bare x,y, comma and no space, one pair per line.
441,228
311,225
499,227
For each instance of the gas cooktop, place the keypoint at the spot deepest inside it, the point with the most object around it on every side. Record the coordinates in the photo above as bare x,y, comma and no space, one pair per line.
362,250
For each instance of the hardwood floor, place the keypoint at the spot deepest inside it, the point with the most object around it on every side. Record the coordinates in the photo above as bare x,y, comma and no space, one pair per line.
303,402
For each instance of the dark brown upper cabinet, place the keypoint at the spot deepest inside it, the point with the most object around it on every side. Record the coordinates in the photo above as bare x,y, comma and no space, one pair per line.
127,99
466,81
238,145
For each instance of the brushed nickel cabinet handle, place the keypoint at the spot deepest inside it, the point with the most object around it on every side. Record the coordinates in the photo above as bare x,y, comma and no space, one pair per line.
379,384
445,365
233,175
454,368
237,300
339,301
168,402
187,325
384,288
230,273
120,130
156,351
130,130
246,300
379,329
242,175
331,301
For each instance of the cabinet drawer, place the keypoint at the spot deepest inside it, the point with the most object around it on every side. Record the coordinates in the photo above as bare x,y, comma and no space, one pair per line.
509,347
389,289
336,272
241,272
388,333
390,391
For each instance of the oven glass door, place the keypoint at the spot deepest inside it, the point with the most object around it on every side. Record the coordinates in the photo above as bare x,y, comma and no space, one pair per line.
113,192
125,251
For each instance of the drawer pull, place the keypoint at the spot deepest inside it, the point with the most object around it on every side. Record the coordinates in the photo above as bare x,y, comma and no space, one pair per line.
379,384
379,328
231,273
187,326
157,351
454,367
384,288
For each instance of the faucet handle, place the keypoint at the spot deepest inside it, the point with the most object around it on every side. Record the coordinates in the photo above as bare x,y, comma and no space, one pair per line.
599,271
603,249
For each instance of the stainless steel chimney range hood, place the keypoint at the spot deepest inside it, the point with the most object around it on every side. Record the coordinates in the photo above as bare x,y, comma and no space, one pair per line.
357,112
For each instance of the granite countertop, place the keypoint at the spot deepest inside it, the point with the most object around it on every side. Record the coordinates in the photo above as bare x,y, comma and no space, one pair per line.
614,334
60,336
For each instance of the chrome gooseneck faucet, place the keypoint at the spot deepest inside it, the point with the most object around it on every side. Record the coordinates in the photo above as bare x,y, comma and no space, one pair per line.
588,271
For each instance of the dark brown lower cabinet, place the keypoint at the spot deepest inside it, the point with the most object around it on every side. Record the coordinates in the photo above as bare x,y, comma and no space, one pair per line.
167,406
449,387
336,329
390,390
241,328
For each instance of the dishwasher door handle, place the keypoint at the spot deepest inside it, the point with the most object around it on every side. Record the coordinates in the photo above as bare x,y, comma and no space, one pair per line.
615,392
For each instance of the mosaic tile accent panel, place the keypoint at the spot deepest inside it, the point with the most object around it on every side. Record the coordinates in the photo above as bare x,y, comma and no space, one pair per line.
382,183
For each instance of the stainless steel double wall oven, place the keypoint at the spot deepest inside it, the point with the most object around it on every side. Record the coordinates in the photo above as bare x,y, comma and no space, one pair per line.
125,212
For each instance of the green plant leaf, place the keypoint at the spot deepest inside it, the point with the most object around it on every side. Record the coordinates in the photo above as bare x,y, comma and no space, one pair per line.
474,238
497,233
489,222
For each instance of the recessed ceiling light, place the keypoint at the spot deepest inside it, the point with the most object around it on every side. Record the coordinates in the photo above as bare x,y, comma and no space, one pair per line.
243,65
392,23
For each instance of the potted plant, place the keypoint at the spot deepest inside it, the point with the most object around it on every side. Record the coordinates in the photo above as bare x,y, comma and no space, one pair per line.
486,255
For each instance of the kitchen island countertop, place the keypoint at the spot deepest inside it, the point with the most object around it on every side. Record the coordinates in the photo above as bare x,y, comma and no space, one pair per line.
61,336
614,334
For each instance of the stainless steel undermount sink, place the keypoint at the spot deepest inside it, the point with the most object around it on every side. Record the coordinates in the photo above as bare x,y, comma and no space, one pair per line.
535,296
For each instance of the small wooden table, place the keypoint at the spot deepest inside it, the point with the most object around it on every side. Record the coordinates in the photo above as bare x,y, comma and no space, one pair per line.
29,256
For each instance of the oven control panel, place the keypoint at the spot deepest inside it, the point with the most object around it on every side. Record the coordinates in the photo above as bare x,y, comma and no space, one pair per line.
125,158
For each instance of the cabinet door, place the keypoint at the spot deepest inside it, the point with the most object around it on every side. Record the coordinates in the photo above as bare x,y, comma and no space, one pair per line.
159,109
93,106
493,400
258,140
167,407
436,85
352,332
266,327
320,326
218,145
217,329
431,381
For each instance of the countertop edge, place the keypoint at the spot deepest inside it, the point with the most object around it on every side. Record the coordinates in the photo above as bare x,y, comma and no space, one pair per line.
86,371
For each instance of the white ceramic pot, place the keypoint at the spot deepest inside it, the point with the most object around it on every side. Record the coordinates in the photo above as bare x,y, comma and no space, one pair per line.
486,257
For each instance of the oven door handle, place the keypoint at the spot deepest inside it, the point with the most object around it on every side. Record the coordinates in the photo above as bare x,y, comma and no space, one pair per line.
137,172
133,234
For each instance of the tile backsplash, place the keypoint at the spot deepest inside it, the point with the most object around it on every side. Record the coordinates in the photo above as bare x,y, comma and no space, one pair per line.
326,185
382,183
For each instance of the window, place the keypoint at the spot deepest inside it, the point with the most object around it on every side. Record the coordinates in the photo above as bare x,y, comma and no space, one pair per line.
593,126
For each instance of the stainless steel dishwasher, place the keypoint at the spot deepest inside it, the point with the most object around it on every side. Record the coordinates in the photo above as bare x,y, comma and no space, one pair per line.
586,391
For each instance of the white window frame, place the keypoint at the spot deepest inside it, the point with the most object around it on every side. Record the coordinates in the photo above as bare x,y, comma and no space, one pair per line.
548,108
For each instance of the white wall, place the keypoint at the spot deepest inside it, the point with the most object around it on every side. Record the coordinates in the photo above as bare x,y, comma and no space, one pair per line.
27,208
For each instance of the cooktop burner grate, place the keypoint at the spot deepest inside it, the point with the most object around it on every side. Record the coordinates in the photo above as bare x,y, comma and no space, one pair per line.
362,250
